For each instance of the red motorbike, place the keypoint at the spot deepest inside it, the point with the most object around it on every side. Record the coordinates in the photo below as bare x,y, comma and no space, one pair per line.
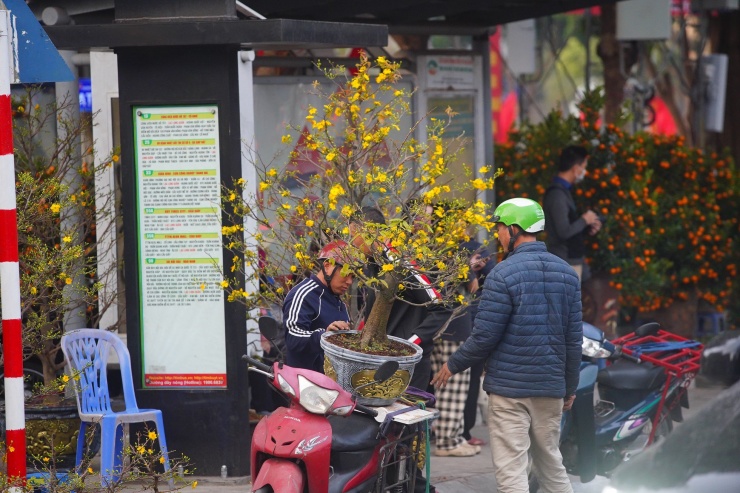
320,444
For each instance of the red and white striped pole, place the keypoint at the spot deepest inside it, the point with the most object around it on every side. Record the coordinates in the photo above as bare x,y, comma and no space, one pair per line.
15,420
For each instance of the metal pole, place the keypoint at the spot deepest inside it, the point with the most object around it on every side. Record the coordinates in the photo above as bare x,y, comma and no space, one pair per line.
15,420
587,45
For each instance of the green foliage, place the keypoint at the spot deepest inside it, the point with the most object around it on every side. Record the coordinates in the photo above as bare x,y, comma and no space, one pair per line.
57,221
671,209
351,152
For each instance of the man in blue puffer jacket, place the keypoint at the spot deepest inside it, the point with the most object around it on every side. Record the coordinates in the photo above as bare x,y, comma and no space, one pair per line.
528,329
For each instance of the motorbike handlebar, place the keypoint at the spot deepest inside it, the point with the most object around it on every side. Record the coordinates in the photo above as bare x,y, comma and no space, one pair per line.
366,410
257,364
631,357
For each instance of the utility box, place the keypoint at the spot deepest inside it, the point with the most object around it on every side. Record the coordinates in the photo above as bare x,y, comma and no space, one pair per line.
643,20
715,4
521,52
715,90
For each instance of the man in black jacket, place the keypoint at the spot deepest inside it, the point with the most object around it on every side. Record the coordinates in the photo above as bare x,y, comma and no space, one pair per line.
565,227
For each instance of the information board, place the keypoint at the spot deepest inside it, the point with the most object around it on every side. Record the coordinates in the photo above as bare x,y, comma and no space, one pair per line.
178,210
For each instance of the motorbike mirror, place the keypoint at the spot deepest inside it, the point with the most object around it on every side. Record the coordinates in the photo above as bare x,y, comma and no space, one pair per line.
649,329
385,371
269,328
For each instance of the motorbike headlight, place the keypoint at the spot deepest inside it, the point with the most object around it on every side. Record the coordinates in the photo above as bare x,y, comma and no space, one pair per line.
313,398
594,349
285,386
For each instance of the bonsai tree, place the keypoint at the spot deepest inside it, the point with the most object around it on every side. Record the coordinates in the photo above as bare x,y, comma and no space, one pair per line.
352,152
56,214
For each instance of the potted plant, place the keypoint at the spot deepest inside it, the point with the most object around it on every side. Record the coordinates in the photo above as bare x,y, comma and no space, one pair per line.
56,215
671,228
351,152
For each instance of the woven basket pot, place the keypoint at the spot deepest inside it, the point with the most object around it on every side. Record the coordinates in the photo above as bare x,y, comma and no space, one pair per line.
351,369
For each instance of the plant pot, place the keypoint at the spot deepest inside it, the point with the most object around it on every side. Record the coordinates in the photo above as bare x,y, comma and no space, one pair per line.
601,304
679,318
351,369
56,425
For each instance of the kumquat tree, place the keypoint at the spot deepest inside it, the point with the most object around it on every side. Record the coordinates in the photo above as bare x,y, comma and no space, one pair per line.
354,153
671,210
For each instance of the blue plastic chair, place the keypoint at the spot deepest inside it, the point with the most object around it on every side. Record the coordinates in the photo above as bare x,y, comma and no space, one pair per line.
86,352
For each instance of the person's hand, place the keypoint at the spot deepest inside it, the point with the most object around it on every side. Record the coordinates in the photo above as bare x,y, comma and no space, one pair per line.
265,345
440,378
595,227
338,325
590,217
568,402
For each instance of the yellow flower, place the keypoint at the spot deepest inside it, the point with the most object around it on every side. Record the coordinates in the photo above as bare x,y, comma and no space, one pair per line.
68,280
161,460
11,449
264,186
286,207
90,470
33,290
46,459
293,268
73,198
115,158
240,181
387,267
272,172
286,139
203,287
153,435
232,197
331,156
224,284
309,223
66,239
195,483
65,378
55,208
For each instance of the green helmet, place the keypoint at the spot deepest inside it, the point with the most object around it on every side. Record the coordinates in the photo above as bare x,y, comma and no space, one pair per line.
525,213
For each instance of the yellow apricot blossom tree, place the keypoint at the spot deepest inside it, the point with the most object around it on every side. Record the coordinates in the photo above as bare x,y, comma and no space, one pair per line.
352,153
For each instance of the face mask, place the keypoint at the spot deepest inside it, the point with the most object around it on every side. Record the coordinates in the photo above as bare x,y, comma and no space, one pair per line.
580,176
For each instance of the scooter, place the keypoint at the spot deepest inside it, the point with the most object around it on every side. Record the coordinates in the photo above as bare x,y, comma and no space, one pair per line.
321,443
640,396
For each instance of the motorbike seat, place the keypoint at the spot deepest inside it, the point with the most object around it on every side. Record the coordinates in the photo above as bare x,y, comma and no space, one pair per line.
354,432
627,375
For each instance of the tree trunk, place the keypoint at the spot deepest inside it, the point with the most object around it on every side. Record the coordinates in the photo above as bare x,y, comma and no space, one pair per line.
48,368
724,27
376,323
608,51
